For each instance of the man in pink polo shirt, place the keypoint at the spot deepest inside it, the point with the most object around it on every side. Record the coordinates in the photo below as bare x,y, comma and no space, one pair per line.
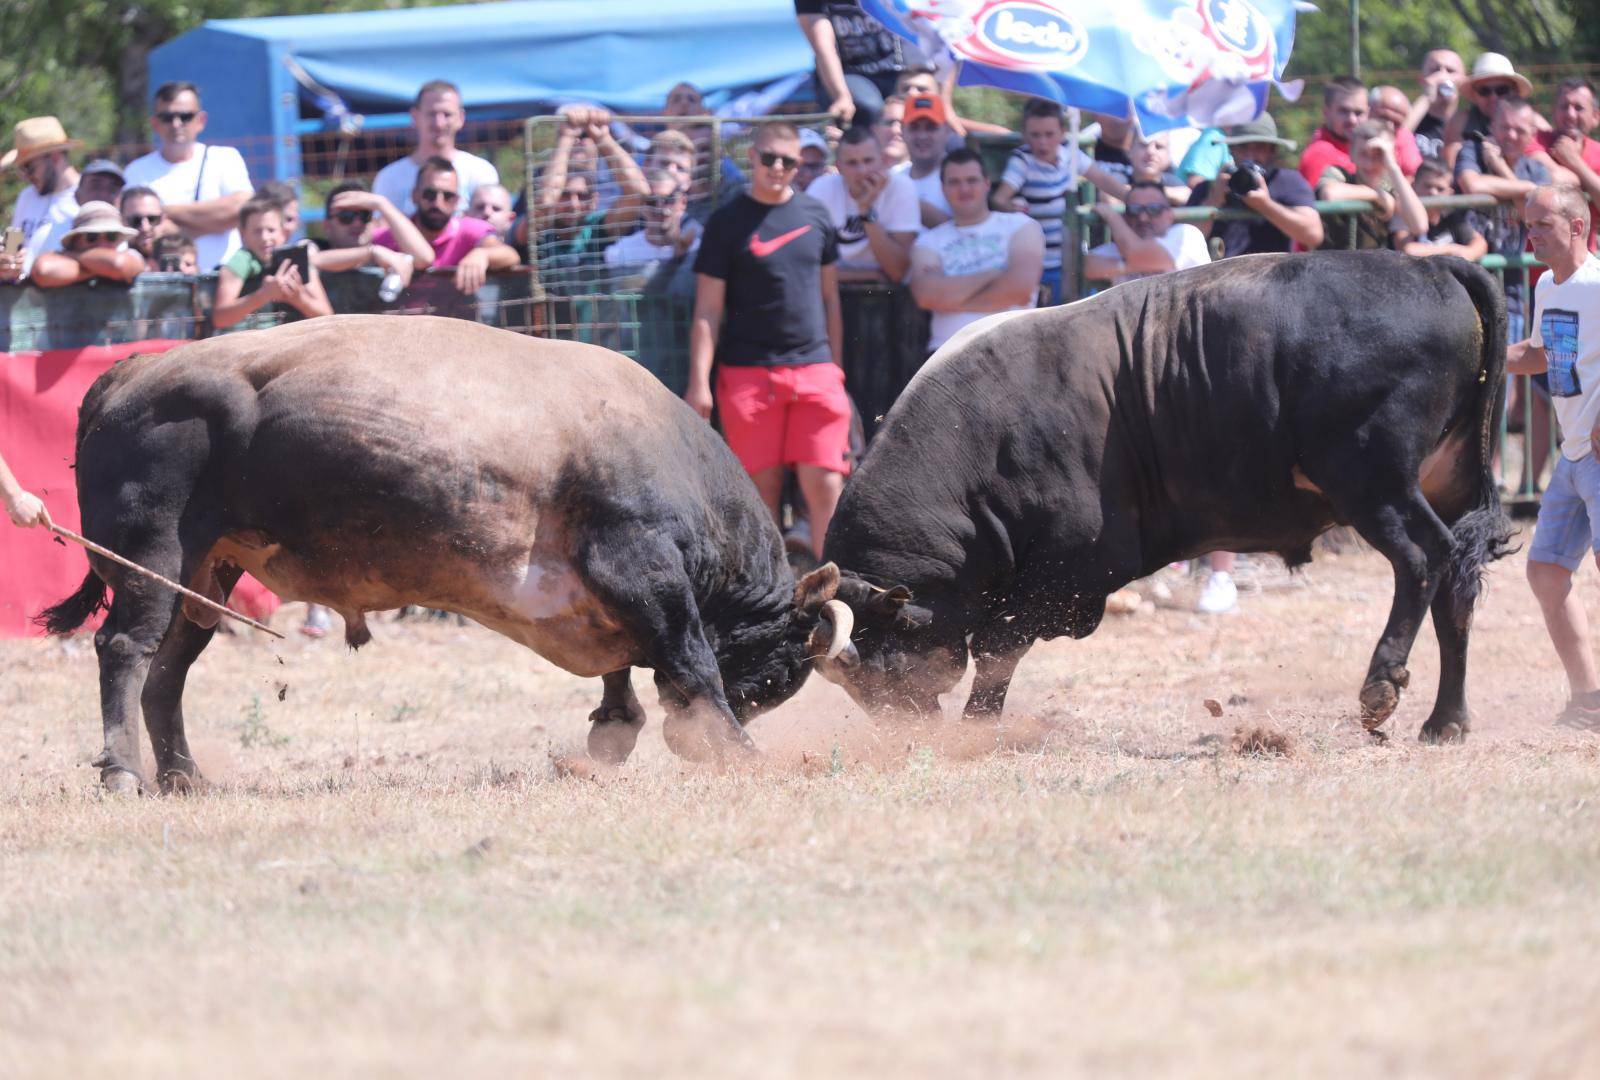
465,243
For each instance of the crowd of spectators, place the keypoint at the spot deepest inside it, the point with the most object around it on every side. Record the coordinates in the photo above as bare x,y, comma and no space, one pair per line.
887,194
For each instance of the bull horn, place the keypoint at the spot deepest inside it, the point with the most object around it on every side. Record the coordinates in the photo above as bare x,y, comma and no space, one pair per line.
843,620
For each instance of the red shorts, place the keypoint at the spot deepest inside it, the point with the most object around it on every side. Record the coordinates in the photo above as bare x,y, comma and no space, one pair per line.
791,415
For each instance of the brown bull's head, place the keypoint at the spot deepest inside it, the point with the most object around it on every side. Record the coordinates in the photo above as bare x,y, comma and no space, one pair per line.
904,658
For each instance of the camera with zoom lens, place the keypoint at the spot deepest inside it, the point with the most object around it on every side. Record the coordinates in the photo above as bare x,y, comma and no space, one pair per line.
1243,180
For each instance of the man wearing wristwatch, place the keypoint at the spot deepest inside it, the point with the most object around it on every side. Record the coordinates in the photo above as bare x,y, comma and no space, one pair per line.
876,214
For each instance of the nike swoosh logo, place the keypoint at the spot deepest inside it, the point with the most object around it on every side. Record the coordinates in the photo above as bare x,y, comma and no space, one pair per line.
762,248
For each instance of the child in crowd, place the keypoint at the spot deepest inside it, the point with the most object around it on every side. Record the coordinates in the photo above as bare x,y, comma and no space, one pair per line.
176,255
243,284
1037,178
1450,232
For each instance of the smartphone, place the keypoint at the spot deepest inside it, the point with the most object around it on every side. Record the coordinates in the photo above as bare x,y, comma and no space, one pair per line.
13,241
299,254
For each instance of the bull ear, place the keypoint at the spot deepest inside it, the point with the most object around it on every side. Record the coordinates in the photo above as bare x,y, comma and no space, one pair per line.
816,588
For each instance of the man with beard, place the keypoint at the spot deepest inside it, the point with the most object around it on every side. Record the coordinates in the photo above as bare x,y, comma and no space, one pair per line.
876,214
142,211
46,207
467,244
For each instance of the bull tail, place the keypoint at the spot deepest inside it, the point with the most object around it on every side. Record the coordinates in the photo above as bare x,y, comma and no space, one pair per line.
1482,534
74,611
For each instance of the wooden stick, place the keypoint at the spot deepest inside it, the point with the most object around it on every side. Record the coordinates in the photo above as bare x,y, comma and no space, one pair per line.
131,565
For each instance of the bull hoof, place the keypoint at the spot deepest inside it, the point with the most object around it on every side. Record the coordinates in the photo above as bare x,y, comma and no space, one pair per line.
178,782
707,744
1443,731
613,734
118,781
1381,696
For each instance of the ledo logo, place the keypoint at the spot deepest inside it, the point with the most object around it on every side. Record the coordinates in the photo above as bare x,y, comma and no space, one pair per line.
1030,34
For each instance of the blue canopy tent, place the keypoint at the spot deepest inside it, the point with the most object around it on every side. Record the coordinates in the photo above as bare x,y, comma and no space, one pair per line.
510,59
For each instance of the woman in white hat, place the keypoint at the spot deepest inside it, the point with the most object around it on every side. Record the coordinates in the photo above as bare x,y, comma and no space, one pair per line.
97,246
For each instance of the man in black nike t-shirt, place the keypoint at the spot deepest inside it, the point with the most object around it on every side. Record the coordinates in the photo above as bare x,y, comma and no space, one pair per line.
767,262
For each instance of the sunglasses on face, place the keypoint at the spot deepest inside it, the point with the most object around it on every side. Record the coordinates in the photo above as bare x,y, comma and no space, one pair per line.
91,239
176,117
139,221
662,202
350,217
430,194
1145,211
781,161
1498,90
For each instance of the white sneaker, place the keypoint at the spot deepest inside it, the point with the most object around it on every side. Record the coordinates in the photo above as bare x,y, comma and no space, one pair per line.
1220,595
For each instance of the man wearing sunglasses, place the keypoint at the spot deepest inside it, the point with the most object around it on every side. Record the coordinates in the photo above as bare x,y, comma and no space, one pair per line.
347,231
202,187
1145,240
45,207
143,213
468,245
768,262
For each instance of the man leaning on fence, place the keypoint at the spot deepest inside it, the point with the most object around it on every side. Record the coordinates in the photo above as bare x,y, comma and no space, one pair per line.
1575,154
767,263
46,206
1145,240
201,186
466,244
1564,343
438,117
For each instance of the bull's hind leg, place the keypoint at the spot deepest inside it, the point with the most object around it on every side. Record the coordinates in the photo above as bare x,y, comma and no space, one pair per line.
1418,546
162,697
643,577
139,616
615,725
1452,624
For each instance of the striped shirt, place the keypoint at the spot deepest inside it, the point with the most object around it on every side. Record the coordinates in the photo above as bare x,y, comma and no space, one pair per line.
1044,188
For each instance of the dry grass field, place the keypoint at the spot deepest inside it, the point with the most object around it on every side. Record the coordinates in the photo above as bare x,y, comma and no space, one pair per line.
390,877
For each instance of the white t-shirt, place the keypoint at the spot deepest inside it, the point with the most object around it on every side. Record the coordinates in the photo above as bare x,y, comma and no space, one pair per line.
635,249
929,189
1566,324
1185,243
44,220
896,207
396,180
972,249
211,173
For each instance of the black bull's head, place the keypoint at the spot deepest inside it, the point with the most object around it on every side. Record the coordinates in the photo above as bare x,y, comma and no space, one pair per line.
874,642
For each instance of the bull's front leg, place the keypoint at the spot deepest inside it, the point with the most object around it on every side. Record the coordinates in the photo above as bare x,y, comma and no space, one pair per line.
996,652
641,576
615,725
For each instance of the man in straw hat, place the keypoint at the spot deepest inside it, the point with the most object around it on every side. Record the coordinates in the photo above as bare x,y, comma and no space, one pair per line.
1493,79
44,208
97,246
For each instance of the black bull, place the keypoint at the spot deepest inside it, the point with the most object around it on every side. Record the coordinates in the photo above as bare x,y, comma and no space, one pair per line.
1042,461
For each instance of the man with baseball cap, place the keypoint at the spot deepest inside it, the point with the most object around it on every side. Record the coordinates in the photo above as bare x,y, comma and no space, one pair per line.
100,181
45,208
927,134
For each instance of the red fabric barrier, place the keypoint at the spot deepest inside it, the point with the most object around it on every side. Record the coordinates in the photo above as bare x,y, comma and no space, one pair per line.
39,397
